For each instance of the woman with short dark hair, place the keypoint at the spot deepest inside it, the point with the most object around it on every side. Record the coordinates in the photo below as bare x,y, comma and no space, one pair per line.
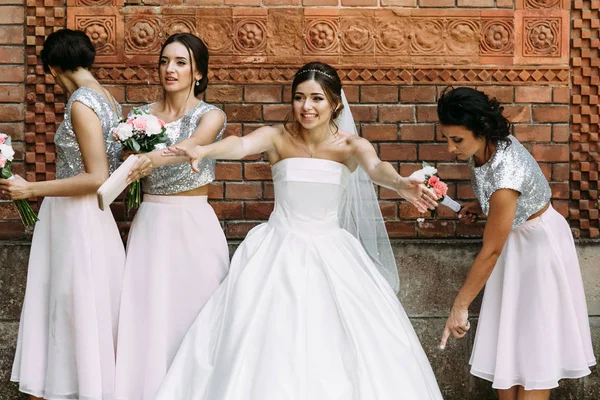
533,327
67,333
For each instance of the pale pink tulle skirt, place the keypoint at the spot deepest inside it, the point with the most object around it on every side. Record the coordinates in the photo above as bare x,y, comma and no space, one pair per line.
67,333
533,327
177,256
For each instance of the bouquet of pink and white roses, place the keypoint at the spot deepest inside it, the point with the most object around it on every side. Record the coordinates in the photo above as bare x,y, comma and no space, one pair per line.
139,133
7,153
428,174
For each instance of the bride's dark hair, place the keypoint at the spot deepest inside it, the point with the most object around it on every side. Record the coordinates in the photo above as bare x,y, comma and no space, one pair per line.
326,76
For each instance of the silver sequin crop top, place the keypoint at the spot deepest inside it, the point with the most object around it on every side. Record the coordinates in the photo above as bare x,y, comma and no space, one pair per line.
177,178
511,167
68,156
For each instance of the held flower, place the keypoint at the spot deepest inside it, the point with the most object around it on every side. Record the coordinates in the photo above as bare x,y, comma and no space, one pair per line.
7,153
440,189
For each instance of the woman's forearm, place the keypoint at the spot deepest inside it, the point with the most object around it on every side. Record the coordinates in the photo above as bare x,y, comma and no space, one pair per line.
384,174
476,279
80,185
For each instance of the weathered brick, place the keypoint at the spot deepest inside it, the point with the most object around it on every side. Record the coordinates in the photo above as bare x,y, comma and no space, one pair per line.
436,3
12,35
551,113
388,209
396,113
380,132
228,209
474,229
434,152
242,112
359,3
320,3
12,112
262,94
475,3
401,152
246,3
362,113
257,171
454,171
258,209
417,94
533,94
379,94
398,3
532,133
231,171
560,190
550,152
12,93
417,133
504,94
144,93
561,95
427,114
397,229
12,73
12,15
281,2
432,228
239,230
560,172
276,112
560,133
518,114
223,94
12,55
242,191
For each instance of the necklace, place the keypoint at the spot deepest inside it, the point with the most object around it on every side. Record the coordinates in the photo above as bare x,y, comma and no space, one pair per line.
305,149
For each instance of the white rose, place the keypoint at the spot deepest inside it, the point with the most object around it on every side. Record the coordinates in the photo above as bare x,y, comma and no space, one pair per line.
7,151
124,131
153,127
424,173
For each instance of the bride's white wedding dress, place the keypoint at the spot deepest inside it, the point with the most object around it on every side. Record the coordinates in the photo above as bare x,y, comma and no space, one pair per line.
304,313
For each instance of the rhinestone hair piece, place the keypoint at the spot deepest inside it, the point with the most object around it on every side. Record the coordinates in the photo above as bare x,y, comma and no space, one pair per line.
315,70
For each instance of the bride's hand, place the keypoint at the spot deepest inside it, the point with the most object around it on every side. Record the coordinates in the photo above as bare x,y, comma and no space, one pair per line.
194,153
143,166
413,190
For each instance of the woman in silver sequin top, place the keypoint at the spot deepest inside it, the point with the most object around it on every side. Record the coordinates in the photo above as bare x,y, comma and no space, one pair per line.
533,327
67,333
166,284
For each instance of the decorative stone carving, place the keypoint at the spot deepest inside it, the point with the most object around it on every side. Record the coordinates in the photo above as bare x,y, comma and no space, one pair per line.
542,3
250,35
542,37
392,37
101,31
497,37
143,35
179,24
356,36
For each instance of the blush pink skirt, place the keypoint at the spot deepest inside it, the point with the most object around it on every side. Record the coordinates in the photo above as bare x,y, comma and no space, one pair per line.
177,256
533,326
67,333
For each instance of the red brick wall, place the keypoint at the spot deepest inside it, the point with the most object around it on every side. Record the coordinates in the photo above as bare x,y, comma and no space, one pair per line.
12,96
392,89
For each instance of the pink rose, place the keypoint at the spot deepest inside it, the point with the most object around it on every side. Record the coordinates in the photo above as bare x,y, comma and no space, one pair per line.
140,124
161,123
3,137
433,180
440,189
2,161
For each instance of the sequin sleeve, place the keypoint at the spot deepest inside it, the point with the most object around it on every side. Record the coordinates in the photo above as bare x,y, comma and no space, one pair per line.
509,174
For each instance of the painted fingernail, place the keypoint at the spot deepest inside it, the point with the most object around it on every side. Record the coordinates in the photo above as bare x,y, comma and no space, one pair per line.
442,347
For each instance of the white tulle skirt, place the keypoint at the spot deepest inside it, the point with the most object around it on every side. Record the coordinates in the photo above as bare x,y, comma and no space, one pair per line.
177,256
533,327
304,314
67,333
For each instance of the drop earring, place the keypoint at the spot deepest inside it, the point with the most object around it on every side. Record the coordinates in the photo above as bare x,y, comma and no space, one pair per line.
198,83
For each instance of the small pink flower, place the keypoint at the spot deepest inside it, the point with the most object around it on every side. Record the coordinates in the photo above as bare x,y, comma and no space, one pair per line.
440,189
3,137
433,180
140,124
2,161
161,123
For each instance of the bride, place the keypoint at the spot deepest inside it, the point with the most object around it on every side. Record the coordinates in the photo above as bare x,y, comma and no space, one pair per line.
309,310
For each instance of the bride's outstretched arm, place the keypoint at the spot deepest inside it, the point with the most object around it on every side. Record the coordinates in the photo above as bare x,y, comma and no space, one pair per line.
230,148
384,174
